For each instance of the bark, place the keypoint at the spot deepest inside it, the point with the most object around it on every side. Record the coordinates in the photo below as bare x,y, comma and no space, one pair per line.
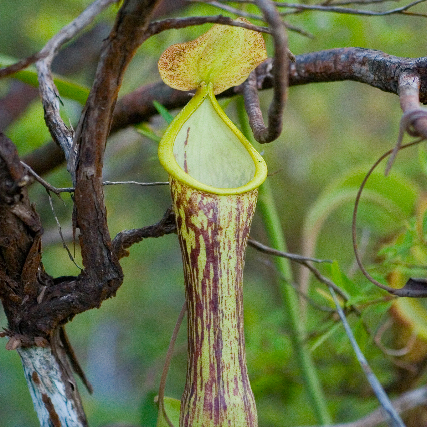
22,283
52,386
21,273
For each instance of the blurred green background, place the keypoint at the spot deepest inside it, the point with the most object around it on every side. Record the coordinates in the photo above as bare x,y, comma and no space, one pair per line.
332,134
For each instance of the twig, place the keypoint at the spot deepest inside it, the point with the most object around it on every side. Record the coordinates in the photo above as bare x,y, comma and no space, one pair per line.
157,27
48,91
344,10
72,357
239,12
303,261
143,184
347,2
49,187
20,65
125,239
300,7
298,290
64,245
311,301
293,257
58,191
393,416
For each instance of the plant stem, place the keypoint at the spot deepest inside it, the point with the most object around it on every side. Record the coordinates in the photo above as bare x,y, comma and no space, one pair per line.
267,209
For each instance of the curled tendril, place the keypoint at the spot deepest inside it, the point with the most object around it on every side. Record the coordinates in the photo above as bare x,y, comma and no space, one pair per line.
407,291
406,125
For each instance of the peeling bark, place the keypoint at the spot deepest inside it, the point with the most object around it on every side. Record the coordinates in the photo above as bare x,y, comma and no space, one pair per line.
22,282
52,386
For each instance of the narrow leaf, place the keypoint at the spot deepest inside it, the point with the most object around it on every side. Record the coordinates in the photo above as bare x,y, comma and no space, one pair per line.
162,110
143,129
66,88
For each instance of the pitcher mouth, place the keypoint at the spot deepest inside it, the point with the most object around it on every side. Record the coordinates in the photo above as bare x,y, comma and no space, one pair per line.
240,168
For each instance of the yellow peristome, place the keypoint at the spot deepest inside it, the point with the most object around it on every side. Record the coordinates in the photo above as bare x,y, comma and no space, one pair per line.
223,56
203,149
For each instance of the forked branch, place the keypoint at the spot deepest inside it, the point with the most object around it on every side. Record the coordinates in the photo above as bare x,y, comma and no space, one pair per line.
65,297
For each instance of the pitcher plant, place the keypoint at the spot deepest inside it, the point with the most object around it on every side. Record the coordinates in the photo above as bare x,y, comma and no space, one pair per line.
214,175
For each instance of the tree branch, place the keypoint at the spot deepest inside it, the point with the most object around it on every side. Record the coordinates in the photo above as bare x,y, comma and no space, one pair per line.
178,23
367,66
102,275
371,67
329,8
48,92
125,239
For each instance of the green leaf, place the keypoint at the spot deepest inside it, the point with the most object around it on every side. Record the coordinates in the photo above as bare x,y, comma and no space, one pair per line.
30,131
360,334
390,199
66,88
320,340
341,279
143,129
172,408
163,112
